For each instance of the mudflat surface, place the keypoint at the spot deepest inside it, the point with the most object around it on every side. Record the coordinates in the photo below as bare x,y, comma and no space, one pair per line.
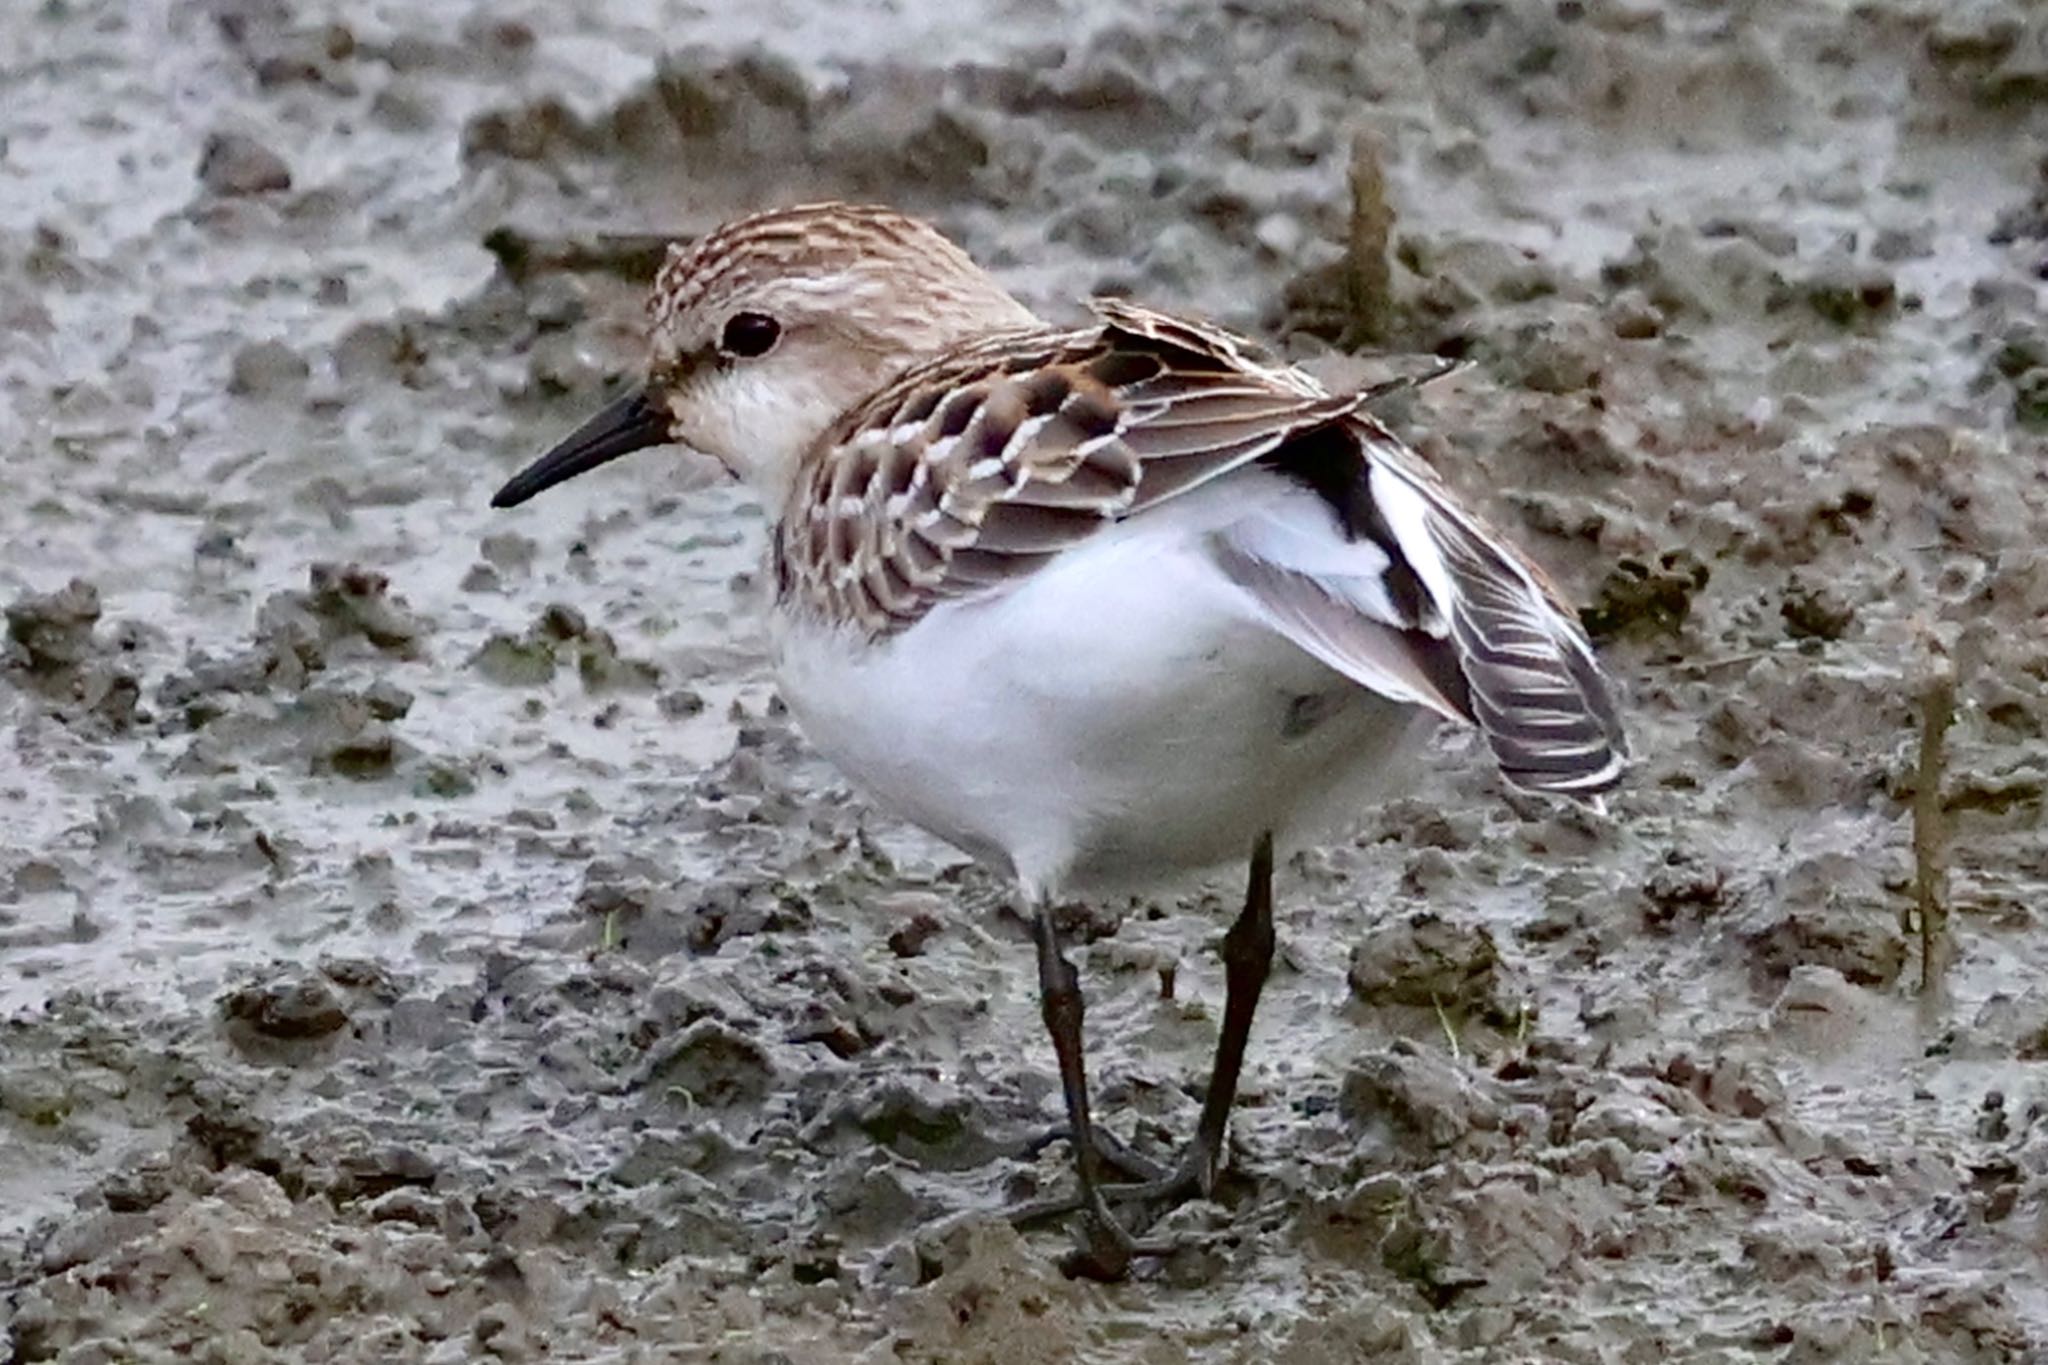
424,938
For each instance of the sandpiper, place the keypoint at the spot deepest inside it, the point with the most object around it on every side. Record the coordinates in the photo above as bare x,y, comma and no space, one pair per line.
1096,604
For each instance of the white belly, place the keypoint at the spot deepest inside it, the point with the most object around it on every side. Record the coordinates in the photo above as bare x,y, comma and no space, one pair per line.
1114,719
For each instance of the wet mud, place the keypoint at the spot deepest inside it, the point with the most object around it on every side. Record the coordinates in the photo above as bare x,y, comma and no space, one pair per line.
424,936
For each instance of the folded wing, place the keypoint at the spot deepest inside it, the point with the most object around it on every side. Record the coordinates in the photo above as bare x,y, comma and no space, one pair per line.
971,472
1384,577
965,475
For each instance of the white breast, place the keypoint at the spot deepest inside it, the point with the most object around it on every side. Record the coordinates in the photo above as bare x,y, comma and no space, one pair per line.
1119,716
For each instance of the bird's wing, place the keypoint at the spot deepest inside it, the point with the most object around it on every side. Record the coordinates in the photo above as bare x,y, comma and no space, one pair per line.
969,472
1386,578
973,470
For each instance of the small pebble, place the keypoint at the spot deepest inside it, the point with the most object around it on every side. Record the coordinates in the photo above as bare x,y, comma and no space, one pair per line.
266,367
236,164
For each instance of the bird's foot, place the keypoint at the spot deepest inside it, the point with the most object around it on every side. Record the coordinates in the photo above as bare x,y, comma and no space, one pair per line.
1115,1158
1119,1167
1194,1176
1107,1249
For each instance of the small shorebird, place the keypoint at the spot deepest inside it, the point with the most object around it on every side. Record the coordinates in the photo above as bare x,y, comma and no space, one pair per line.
1094,604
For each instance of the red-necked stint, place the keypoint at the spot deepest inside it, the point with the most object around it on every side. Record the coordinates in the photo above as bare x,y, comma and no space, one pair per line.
1094,604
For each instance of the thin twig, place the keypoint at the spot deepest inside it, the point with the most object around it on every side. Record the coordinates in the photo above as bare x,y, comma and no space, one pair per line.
1444,1022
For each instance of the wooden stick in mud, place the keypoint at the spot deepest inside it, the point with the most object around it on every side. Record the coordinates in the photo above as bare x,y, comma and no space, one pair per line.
1368,271
1930,833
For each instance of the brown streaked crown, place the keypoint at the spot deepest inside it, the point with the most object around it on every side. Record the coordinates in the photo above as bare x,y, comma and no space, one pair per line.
893,281
852,295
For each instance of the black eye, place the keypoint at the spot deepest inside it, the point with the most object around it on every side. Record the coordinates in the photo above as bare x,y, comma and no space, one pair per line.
749,334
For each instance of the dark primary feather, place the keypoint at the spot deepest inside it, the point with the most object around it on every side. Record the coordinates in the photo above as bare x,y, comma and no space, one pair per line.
1527,676
1536,691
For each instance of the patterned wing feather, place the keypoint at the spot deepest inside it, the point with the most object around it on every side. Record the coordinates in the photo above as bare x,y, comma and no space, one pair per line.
1534,689
973,470
1399,588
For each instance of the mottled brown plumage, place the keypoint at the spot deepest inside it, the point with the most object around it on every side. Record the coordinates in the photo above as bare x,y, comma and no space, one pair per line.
927,441
975,468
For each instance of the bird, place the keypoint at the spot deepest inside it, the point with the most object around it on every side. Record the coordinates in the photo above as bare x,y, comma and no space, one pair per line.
1100,604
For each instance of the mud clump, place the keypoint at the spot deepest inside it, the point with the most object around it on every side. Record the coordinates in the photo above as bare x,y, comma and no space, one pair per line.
386,700
995,1300
53,649
1815,612
2023,362
910,938
561,634
1428,962
344,602
341,735
1847,296
710,1063
1423,1099
51,633
282,702
1866,950
290,1010
1683,889
344,612
266,368
200,692
1645,600
518,660
235,165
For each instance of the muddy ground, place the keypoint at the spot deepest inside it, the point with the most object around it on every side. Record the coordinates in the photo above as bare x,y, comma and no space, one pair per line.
423,937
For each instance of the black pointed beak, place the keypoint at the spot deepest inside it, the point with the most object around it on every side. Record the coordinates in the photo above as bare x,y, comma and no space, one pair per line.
619,428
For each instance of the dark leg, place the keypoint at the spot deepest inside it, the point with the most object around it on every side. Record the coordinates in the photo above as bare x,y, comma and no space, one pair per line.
1059,998
1247,958
1109,1247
